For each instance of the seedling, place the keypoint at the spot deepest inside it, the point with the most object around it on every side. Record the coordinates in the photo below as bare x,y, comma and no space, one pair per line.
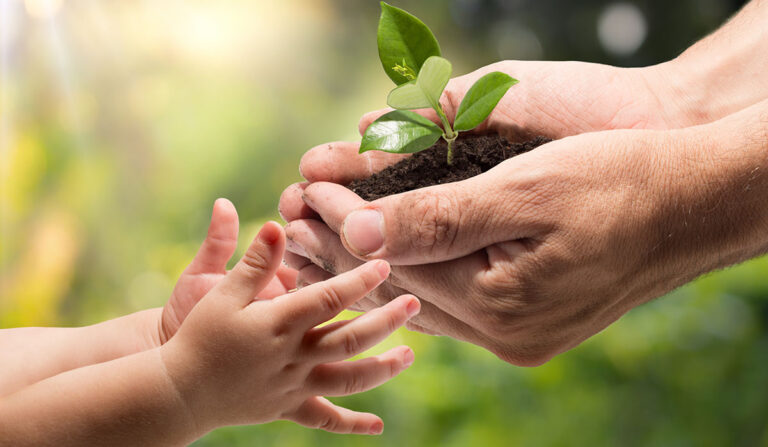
411,57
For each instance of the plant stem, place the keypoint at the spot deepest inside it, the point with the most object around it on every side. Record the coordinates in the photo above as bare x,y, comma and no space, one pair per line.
449,135
450,141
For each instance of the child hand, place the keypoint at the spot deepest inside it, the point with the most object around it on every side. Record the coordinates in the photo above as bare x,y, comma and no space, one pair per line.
239,361
209,266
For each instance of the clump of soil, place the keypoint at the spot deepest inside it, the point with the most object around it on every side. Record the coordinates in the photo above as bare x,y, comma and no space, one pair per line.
472,155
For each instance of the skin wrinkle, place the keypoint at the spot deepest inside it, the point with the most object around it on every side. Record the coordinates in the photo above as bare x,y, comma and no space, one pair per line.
624,216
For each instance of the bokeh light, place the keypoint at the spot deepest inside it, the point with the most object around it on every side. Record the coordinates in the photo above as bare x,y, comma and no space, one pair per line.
621,28
42,9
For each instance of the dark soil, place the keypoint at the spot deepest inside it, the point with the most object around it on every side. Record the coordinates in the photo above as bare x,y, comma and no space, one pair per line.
472,155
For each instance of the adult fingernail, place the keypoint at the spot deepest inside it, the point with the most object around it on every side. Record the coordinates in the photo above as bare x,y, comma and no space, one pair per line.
363,231
408,358
376,428
413,307
293,247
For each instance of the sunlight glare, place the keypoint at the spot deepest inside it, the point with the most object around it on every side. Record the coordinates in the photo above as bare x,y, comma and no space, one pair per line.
42,9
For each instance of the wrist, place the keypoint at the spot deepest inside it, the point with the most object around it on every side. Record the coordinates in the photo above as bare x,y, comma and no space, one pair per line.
717,207
181,386
681,101
705,84
185,377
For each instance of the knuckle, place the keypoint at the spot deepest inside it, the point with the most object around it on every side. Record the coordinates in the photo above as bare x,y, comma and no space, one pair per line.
254,262
328,424
394,368
280,330
221,243
350,343
436,220
393,322
331,301
354,384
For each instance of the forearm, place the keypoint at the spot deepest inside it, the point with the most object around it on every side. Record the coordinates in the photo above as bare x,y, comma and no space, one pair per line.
29,355
721,74
128,401
716,198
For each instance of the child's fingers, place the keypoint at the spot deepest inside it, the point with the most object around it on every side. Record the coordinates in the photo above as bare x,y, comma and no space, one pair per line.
320,302
344,378
220,243
364,331
271,290
258,265
283,282
317,412
312,274
287,277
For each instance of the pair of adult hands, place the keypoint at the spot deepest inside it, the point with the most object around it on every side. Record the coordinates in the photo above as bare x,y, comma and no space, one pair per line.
534,256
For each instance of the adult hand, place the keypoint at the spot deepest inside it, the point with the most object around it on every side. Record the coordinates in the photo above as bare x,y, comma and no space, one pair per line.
554,99
594,224
548,248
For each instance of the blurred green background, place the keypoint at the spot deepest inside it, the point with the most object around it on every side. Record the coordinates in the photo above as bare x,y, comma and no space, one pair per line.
122,121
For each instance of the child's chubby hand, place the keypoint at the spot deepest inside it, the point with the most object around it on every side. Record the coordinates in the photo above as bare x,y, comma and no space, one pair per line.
209,267
236,360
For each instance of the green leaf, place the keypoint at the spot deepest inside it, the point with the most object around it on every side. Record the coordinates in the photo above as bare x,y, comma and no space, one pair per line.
401,132
426,90
408,96
405,42
433,77
481,98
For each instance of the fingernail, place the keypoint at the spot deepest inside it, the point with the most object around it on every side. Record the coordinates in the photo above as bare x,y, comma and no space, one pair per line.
293,247
363,231
376,428
383,268
269,234
413,307
408,358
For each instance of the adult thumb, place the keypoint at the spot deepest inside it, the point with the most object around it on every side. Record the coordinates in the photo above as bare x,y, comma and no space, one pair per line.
429,225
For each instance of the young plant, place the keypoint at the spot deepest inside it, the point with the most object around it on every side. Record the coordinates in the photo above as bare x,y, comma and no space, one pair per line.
410,56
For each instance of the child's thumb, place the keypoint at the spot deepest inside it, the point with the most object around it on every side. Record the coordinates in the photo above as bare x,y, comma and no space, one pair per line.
220,243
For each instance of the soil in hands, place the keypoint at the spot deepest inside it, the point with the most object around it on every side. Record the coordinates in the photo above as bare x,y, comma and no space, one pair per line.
472,155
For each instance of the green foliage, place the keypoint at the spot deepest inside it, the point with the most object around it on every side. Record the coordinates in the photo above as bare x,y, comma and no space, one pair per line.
426,90
405,42
124,205
411,57
433,78
407,97
402,132
481,98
